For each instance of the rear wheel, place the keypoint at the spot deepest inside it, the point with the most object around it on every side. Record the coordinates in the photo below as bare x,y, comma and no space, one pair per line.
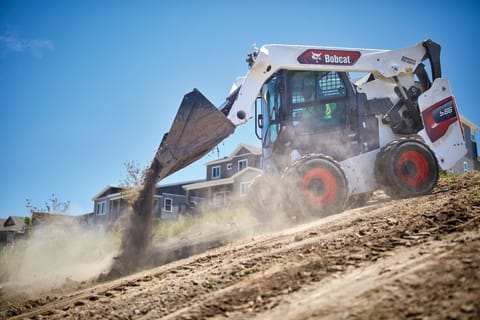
409,168
316,186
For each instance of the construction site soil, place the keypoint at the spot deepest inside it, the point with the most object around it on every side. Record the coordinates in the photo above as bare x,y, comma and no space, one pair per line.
415,258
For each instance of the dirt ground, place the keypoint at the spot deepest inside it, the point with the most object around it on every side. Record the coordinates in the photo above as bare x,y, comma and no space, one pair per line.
404,259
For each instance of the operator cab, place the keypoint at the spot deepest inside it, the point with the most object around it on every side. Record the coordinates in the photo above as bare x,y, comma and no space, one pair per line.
309,112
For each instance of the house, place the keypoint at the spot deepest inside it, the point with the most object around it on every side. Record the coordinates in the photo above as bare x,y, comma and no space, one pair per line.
471,160
220,192
225,178
112,201
11,229
171,200
242,157
228,177
109,204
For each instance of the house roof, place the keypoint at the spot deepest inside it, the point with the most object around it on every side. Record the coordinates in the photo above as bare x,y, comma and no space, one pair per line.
47,217
209,183
108,190
174,188
114,192
249,148
13,224
469,123
219,182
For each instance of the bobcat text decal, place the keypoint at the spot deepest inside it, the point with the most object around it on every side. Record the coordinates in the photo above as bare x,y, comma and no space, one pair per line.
336,57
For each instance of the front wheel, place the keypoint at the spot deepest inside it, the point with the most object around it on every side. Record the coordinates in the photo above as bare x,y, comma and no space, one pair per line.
317,186
265,199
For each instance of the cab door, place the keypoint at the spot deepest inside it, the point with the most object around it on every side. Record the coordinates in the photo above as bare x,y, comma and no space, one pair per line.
320,105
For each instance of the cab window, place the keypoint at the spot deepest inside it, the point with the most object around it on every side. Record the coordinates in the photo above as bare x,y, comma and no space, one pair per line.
317,99
271,104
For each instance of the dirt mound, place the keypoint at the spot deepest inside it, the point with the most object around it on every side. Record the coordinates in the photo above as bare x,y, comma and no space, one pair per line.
414,258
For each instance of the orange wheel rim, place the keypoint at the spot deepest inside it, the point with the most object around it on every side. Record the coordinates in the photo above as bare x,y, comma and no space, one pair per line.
412,168
319,186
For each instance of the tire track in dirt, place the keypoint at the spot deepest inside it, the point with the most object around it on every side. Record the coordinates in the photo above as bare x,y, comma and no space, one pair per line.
345,297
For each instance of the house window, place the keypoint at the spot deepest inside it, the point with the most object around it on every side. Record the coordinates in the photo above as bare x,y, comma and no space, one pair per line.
244,188
465,166
167,204
229,166
216,172
101,208
221,198
242,164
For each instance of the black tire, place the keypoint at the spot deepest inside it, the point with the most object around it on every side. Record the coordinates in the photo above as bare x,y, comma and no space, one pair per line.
409,169
265,199
317,186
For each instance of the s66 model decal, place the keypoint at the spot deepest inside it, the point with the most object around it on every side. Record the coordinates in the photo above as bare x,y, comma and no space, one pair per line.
439,117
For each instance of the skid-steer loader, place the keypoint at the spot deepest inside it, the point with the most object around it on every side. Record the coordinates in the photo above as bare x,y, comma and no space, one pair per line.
326,138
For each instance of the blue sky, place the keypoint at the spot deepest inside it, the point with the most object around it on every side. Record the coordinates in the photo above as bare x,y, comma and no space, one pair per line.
87,85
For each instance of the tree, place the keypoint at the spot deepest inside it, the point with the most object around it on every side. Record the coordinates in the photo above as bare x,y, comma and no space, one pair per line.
52,205
29,222
133,182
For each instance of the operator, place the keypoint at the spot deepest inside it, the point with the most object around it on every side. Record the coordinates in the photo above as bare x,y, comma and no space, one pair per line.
315,114
308,90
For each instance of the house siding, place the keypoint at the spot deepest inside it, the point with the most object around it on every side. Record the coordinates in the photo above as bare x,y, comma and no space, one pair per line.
176,206
470,160
223,169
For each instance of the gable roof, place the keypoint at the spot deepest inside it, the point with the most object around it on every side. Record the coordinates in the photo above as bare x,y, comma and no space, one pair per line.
219,182
250,150
108,190
13,224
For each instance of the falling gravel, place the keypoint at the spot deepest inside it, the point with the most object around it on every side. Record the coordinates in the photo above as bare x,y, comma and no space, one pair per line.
137,235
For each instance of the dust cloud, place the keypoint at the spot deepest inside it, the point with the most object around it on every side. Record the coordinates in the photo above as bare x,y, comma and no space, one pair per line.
56,255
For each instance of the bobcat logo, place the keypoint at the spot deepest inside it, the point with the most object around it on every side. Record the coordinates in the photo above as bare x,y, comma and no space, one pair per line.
329,57
317,57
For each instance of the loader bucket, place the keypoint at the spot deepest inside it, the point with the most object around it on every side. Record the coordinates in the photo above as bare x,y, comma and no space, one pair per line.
198,127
